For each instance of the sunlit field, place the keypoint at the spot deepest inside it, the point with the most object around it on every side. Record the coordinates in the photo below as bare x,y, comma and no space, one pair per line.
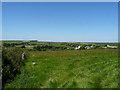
69,69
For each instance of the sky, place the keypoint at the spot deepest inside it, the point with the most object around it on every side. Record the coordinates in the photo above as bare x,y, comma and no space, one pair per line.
60,21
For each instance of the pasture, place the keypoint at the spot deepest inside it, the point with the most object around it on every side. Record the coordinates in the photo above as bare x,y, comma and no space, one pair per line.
69,69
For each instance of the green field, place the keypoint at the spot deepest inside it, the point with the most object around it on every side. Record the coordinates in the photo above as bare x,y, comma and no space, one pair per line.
69,69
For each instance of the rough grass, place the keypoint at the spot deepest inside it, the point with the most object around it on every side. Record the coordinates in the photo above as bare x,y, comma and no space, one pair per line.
69,69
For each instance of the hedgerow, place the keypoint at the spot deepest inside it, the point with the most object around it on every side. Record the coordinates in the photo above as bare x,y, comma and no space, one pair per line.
12,60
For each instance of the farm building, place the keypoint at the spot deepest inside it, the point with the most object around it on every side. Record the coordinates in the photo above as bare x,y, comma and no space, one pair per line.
88,47
108,46
77,47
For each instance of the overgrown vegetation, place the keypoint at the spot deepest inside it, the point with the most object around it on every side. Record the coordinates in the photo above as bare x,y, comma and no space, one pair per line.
59,65
12,60
69,69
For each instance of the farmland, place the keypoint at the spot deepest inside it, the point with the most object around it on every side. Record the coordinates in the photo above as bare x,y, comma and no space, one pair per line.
53,65
59,45
94,68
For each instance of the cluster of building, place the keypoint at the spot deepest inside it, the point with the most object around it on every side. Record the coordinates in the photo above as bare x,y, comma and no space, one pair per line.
86,47
92,46
108,46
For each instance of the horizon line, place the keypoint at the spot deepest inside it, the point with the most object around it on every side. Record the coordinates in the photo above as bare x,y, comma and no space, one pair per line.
50,40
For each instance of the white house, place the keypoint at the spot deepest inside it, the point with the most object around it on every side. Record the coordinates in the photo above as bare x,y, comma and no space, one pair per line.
77,47
88,47
111,46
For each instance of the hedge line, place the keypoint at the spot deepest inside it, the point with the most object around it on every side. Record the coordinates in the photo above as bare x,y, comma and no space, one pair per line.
12,60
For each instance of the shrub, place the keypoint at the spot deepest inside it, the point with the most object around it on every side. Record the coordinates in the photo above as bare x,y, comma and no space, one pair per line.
8,45
12,60
46,48
82,48
23,46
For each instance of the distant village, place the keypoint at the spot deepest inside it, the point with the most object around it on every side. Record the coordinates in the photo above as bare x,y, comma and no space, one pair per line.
92,46
44,46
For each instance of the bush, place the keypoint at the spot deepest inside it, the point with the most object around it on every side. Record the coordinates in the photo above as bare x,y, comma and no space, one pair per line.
45,48
8,45
23,46
82,48
12,60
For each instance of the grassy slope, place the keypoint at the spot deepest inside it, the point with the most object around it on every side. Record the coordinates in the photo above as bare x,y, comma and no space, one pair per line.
69,69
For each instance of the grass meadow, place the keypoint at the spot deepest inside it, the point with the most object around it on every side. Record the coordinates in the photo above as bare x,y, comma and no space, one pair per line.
69,69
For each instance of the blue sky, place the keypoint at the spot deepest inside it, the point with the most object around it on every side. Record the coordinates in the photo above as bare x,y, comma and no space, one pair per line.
60,21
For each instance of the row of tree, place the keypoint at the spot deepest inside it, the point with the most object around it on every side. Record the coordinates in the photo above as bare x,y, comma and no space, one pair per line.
45,48
14,44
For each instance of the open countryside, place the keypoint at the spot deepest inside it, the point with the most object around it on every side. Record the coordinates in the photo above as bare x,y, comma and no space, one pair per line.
61,65
59,45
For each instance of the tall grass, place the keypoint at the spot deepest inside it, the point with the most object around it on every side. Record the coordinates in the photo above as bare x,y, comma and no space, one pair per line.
69,69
